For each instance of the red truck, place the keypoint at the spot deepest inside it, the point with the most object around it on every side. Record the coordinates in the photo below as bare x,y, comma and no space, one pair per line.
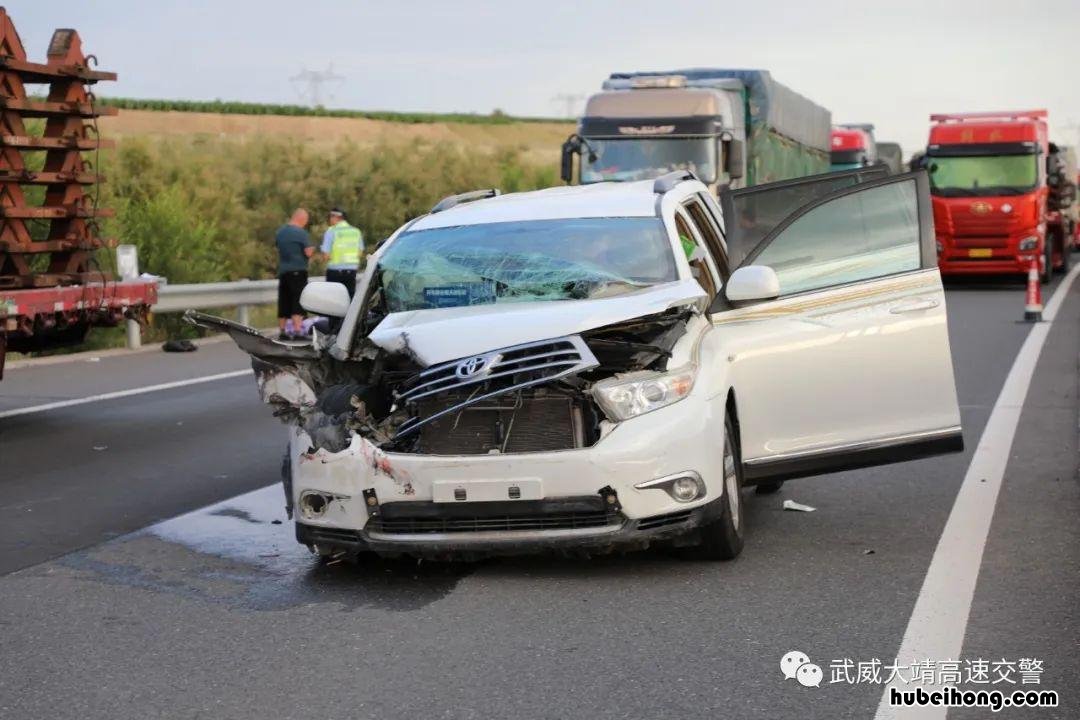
851,146
988,179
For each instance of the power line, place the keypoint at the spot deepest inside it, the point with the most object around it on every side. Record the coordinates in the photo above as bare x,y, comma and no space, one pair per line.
312,82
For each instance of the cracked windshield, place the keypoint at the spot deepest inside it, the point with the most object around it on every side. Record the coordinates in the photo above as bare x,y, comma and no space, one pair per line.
533,260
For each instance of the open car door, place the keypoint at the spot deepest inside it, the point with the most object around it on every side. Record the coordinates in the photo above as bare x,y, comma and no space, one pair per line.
849,365
752,213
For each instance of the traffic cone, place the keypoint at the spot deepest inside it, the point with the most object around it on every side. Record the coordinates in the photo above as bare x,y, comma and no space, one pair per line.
1033,301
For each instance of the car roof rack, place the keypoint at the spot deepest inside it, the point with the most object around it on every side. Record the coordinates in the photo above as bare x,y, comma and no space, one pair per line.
666,183
451,200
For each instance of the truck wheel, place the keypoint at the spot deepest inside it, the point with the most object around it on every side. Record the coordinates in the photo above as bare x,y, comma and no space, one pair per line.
722,539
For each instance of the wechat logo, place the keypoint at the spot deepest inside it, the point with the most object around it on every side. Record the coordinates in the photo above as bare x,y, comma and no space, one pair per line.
796,665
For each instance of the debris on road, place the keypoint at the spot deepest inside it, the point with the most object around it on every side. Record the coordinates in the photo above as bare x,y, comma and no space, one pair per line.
177,346
798,507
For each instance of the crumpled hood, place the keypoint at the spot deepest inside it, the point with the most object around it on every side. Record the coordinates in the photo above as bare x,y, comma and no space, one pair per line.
439,335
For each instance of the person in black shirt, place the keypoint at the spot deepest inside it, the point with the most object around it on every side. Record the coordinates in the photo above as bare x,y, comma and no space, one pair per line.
294,248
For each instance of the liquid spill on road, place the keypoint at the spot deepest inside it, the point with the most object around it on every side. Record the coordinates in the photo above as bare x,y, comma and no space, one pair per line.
234,553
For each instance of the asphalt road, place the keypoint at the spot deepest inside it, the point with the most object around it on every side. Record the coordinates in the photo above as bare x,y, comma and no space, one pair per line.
218,613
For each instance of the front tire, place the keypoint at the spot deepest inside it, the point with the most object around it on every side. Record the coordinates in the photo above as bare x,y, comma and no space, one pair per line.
722,539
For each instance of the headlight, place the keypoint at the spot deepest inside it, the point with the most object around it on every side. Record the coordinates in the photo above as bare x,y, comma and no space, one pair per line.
1030,242
627,397
940,247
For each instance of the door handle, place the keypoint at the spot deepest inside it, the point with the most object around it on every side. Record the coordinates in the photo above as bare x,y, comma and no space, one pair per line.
914,306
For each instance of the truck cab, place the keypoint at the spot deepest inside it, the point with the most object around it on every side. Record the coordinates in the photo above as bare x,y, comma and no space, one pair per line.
851,147
988,182
731,128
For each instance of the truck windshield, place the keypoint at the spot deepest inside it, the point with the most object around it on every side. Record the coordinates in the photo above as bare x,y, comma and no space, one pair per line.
640,158
847,159
981,175
563,259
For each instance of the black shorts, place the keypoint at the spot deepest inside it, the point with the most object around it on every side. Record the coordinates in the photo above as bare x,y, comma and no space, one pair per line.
345,277
290,285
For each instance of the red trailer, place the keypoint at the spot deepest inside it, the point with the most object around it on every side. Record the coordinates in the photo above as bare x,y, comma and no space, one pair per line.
52,289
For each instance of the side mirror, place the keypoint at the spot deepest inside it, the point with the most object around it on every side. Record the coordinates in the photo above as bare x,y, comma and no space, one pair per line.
571,147
325,298
752,282
734,159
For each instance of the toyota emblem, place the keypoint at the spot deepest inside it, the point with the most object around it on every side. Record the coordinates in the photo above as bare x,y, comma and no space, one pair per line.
472,367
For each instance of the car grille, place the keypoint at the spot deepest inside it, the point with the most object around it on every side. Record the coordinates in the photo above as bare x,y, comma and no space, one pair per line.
536,422
482,377
420,518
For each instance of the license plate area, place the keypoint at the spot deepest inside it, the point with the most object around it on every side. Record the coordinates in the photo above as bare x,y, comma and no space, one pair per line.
452,491
980,253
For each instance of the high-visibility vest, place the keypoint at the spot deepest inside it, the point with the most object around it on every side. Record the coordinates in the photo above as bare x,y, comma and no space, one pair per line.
346,246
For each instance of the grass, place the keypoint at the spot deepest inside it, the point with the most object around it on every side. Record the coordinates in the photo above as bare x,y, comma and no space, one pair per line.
228,107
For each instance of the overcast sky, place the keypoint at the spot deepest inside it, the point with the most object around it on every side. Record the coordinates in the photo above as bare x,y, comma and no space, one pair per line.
890,63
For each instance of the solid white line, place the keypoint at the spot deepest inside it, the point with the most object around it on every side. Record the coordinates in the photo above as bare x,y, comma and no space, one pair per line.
121,394
939,621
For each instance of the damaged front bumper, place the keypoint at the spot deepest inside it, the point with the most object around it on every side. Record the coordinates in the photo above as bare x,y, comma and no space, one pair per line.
580,500
619,533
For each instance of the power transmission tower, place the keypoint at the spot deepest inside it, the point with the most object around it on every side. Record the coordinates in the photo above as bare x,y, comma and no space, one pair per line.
312,82
569,102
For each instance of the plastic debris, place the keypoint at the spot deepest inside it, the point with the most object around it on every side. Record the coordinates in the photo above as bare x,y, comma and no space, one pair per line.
798,507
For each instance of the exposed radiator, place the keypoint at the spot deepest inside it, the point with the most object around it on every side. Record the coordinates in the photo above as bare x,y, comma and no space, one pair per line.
519,423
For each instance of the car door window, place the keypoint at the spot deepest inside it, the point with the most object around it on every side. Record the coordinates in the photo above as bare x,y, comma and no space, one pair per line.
870,233
750,214
710,233
699,266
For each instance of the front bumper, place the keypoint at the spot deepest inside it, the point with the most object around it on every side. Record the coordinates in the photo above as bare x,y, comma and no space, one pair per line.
674,529
369,491
1002,262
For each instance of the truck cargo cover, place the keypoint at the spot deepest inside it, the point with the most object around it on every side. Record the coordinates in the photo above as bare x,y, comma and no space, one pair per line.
771,103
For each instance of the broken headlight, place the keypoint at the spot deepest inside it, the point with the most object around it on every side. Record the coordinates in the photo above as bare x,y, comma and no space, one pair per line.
630,396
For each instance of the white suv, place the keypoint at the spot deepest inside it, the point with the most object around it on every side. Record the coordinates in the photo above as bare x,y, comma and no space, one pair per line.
601,367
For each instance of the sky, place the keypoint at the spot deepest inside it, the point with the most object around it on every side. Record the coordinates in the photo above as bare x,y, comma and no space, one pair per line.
889,63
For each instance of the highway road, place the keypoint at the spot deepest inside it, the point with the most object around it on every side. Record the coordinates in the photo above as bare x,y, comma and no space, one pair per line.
148,572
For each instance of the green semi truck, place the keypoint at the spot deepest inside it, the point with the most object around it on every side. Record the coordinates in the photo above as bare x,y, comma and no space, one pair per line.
732,128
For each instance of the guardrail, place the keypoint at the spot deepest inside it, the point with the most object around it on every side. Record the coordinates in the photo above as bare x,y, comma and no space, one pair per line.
241,293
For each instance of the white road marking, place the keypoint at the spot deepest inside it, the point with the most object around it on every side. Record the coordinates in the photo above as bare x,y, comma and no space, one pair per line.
939,621
121,394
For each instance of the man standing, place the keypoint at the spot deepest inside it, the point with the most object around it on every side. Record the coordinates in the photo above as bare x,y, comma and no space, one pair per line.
294,248
343,245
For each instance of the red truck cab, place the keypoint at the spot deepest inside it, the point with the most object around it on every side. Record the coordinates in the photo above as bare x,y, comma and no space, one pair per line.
849,148
989,186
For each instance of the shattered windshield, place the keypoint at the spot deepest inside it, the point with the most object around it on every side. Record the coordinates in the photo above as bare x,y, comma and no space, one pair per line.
641,159
563,259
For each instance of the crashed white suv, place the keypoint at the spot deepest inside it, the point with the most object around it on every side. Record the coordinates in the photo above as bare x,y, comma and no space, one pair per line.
590,368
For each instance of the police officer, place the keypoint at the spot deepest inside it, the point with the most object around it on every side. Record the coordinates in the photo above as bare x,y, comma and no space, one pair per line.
343,246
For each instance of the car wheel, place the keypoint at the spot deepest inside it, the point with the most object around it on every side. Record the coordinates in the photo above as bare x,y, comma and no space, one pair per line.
722,539
768,488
